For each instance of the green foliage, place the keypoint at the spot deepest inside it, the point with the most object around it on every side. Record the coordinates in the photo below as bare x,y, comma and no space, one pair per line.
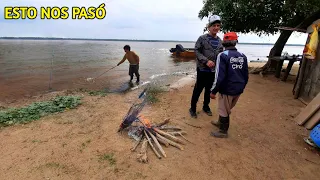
108,157
97,93
152,94
259,16
102,93
37,110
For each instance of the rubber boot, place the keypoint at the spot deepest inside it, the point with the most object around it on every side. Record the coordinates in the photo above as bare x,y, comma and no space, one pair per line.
217,122
224,126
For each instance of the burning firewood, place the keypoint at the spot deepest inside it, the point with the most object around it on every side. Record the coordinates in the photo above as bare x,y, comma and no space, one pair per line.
148,134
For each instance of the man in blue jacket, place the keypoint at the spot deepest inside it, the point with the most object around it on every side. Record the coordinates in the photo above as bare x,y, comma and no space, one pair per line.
231,79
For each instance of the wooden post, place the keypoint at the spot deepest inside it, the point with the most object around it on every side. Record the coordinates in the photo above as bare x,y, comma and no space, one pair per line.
300,76
291,62
279,68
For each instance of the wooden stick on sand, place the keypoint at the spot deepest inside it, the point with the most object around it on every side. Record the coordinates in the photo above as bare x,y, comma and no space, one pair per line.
180,134
169,136
150,143
142,156
170,142
137,144
157,144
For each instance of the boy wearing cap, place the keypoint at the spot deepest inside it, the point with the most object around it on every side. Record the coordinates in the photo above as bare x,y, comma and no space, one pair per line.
207,48
230,81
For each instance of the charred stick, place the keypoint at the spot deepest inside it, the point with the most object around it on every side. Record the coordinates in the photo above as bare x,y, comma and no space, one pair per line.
137,143
170,128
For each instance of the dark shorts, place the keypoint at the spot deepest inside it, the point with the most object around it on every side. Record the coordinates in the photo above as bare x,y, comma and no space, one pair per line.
134,69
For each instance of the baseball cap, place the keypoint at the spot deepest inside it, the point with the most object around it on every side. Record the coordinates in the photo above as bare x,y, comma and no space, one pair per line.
230,36
214,18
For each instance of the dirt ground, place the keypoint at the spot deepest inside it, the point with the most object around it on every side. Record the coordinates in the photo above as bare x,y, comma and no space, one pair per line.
264,141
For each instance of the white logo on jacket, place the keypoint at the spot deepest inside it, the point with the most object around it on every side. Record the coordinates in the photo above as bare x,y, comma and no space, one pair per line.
236,63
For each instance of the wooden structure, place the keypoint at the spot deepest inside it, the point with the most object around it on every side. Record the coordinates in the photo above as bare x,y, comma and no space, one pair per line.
310,116
281,59
307,84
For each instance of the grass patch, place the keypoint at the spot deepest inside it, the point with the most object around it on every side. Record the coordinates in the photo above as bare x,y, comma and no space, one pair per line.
54,165
152,94
37,110
108,157
84,145
95,93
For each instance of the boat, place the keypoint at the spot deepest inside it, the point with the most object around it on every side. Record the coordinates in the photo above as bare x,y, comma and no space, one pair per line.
180,51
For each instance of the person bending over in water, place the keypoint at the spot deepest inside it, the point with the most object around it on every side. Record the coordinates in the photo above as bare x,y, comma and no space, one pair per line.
134,60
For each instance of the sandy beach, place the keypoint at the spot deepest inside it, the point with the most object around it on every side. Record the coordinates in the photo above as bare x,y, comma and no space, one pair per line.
264,141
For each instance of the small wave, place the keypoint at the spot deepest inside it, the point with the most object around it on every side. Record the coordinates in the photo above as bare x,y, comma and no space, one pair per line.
144,83
158,75
161,75
166,74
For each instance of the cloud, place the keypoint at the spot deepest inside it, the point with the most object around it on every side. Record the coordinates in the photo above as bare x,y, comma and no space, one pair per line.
125,19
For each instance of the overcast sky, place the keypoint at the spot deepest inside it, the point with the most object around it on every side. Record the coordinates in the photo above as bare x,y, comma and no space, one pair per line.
125,19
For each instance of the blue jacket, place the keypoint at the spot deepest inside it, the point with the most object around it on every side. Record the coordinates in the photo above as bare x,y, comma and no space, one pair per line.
231,73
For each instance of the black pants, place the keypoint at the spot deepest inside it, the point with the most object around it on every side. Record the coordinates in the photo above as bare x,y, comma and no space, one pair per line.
134,69
204,80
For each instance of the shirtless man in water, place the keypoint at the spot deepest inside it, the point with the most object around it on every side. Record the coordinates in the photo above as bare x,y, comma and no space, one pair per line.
134,60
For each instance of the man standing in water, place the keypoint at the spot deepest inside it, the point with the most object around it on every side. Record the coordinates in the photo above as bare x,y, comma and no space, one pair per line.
230,81
207,48
134,61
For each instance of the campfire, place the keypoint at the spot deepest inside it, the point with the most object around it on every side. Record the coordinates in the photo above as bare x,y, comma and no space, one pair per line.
149,135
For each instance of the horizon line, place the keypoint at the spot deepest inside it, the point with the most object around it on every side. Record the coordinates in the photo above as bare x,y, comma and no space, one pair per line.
107,39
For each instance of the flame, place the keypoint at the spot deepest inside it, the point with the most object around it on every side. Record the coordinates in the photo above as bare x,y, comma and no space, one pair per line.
145,121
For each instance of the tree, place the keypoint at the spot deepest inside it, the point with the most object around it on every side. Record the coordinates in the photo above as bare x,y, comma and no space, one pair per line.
261,17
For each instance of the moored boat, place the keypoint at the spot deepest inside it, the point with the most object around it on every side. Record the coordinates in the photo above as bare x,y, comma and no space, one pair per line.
180,51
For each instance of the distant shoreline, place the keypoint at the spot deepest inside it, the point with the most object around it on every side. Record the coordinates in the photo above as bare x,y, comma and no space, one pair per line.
132,40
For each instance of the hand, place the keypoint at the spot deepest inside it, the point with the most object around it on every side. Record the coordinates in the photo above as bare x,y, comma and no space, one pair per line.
210,64
212,96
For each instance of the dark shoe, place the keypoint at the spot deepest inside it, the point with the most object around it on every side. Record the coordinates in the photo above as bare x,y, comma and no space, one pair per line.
137,82
220,134
193,114
207,111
